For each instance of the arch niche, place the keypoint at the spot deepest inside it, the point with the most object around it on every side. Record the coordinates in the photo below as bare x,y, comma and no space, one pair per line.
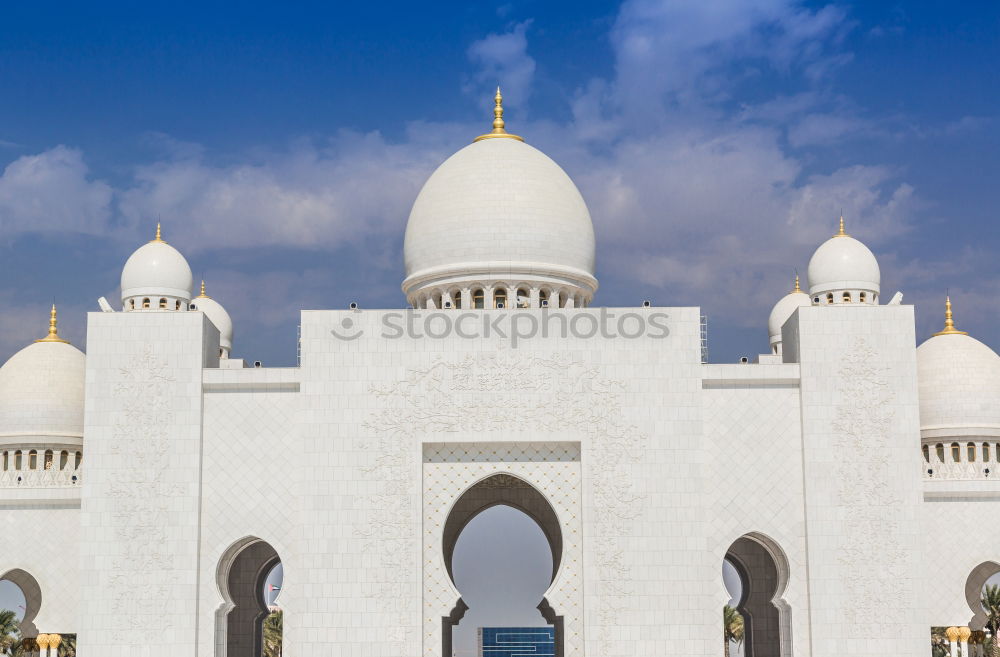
242,573
763,570
32,598
508,490
974,592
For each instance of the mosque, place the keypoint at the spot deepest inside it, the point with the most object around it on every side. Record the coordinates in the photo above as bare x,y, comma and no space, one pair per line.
850,474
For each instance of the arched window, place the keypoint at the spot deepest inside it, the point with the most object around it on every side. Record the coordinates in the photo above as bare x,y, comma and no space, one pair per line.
63,459
456,299
927,453
177,305
874,297
543,296
6,460
48,459
33,460
131,304
523,297
163,304
829,297
986,452
847,297
500,297
970,451
478,298
996,451
145,303
79,459
939,450
861,297
17,460
956,453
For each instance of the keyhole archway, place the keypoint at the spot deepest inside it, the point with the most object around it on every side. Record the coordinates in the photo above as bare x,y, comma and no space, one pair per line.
32,593
510,491
763,573
242,576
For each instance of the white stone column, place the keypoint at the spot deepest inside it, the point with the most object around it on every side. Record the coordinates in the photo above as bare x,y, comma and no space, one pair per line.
466,298
43,645
533,295
487,297
511,297
430,302
554,299
963,640
952,635
570,301
54,641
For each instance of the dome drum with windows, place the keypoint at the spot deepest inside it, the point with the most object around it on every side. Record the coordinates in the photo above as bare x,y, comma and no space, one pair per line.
499,225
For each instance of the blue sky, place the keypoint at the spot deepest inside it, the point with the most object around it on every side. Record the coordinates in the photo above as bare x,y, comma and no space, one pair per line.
282,147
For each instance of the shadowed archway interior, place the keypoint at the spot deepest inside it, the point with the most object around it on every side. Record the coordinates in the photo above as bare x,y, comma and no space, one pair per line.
242,574
763,573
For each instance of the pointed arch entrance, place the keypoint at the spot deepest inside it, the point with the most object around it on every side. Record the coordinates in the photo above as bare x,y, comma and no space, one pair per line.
507,490
241,577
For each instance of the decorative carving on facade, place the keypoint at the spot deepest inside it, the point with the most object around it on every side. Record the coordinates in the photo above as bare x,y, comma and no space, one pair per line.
511,392
139,495
871,525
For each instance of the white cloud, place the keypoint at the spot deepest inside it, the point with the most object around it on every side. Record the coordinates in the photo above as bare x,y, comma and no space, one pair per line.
52,192
314,196
503,59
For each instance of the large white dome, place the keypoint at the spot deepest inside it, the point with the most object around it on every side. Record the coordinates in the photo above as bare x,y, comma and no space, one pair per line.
843,264
959,382
41,394
155,270
499,208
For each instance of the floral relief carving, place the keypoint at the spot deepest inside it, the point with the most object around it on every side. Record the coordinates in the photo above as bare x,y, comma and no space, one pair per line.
871,528
139,494
509,392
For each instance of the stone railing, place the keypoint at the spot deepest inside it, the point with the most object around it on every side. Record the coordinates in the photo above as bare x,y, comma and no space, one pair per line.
51,478
955,471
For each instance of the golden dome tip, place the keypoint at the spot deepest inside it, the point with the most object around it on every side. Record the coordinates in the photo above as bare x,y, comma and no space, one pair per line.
202,295
159,234
53,335
797,288
949,321
841,232
498,122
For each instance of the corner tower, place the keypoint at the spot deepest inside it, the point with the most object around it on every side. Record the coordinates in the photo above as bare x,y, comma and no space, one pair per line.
499,225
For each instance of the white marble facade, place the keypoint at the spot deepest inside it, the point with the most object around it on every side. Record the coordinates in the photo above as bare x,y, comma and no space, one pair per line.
826,471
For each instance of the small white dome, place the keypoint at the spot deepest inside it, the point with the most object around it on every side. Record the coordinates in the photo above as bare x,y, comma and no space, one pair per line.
156,269
842,263
41,393
783,310
217,315
959,383
503,209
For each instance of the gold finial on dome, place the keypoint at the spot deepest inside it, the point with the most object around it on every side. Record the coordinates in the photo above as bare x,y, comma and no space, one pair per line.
841,232
159,237
53,335
202,295
498,123
949,321
797,288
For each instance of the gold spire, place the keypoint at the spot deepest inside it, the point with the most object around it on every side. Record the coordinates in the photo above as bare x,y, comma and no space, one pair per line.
158,237
949,321
53,335
797,288
498,124
203,295
842,232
